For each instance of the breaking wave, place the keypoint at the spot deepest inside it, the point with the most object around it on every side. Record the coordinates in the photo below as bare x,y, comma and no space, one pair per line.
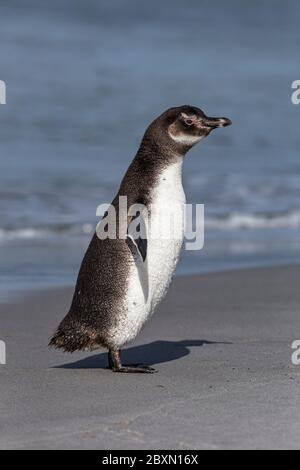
46,231
237,221
233,221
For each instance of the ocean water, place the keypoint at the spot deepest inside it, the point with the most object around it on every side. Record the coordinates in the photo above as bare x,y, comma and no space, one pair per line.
84,79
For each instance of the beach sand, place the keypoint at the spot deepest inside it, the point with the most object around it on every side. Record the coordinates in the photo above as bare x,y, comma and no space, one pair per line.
221,343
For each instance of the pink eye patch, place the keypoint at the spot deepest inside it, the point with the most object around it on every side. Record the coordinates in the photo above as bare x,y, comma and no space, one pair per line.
189,120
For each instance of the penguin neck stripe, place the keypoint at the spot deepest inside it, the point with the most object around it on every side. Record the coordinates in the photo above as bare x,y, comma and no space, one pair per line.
185,139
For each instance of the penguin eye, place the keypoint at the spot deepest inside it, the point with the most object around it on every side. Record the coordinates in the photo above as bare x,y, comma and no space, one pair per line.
189,122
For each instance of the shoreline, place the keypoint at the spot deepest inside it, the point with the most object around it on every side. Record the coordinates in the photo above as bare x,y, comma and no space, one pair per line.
221,343
24,291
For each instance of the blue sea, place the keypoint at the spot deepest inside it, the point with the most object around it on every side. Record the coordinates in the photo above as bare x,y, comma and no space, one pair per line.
85,77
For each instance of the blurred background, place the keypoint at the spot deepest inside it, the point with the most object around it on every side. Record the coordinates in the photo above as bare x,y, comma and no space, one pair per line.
85,77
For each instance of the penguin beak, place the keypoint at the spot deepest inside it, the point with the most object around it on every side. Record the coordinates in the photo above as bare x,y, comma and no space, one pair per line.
213,123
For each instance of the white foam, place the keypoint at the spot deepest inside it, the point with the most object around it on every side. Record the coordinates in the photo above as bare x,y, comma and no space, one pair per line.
254,221
28,233
233,221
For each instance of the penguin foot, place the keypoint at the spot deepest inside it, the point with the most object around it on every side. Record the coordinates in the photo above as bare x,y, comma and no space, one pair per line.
135,370
141,366
115,364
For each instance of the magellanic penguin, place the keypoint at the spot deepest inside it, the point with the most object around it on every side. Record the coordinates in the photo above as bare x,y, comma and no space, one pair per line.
122,279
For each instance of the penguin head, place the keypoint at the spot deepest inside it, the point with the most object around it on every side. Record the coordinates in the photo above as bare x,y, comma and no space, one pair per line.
183,127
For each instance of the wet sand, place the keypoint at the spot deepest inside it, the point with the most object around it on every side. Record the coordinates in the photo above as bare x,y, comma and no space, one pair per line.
221,344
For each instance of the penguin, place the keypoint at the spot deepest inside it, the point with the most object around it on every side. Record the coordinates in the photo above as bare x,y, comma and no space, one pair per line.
123,278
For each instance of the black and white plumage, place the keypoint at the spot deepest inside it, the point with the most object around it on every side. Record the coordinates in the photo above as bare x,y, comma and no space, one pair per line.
121,281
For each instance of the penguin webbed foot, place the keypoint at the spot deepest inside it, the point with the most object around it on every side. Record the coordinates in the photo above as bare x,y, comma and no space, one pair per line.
115,364
135,369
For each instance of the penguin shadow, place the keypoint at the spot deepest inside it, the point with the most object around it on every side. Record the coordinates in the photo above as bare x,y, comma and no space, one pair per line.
157,352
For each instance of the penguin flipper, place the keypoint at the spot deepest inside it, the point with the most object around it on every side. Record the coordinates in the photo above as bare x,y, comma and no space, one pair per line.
136,236
138,244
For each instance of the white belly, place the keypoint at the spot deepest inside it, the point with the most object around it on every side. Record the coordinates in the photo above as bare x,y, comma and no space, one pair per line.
149,280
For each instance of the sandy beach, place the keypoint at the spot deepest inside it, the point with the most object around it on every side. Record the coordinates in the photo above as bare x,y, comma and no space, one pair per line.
221,344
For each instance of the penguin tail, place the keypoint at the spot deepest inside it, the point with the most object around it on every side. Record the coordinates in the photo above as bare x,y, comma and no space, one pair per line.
59,341
71,339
